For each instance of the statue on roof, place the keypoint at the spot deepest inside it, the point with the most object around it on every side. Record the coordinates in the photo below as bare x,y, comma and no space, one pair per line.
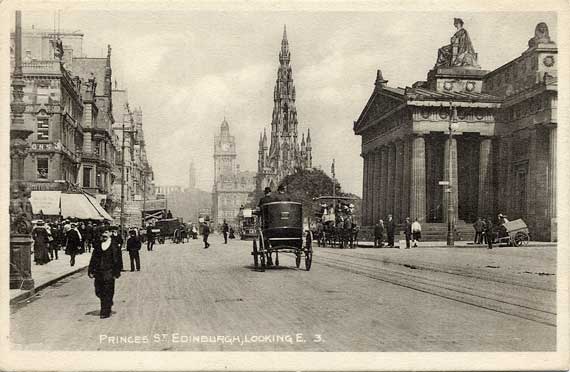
460,52
541,35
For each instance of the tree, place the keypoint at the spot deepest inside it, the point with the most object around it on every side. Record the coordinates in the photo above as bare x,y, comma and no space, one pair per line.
306,184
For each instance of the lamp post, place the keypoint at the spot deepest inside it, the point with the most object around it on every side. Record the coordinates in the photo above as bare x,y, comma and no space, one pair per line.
20,207
450,199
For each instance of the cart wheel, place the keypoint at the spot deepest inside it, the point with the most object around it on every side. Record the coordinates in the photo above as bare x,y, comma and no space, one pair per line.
262,253
521,238
255,258
308,260
298,259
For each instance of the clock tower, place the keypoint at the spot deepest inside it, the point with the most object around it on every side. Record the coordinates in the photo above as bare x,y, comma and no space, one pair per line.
225,155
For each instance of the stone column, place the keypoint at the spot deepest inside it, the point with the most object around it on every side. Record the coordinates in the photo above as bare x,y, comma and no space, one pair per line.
454,184
552,185
391,175
371,185
406,171
365,189
377,180
398,213
485,201
384,183
418,179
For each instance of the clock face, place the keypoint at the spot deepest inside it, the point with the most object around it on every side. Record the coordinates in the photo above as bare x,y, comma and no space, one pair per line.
226,146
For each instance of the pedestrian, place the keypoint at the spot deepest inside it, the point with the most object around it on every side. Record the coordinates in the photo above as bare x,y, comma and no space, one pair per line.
478,227
40,236
390,230
489,233
88,236
134,246
232,233
104,267
118,238
225,231
408,231
73,243
149,238
348,231
416,232
82,231
55,242
379,234
205,233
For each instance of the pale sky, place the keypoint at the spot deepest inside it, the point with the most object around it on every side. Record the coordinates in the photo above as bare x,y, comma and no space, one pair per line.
187,69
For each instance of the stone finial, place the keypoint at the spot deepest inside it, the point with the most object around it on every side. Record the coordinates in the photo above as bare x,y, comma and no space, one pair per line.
541,35
380,82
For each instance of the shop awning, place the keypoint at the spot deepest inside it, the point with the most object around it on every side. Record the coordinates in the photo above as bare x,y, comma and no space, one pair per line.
46,202
99,208
78,206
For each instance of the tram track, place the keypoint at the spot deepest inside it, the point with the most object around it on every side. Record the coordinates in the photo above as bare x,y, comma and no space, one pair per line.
481,292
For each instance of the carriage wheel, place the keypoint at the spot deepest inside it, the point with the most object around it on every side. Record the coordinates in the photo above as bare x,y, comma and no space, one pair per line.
308,260
255,258
262,252
298,259
309,251
521,238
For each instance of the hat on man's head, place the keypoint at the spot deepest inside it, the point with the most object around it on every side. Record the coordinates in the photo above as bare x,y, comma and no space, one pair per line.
281,188
40,223
267,189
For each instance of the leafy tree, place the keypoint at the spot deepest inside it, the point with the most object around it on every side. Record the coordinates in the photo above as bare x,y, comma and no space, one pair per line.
306,184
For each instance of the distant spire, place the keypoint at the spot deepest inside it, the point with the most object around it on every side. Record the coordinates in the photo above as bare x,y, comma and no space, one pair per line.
302,139
284,55
380,81
308,136
264,139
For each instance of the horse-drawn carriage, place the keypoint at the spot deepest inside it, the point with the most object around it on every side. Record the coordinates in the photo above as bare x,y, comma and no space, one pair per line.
335,222
280,229
514,233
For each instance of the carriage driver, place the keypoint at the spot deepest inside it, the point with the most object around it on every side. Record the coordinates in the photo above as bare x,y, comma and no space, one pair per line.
281,194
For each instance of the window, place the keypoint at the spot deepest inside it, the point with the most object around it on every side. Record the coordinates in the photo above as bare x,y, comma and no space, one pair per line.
43,129
98,179
43,168
97,148
86,177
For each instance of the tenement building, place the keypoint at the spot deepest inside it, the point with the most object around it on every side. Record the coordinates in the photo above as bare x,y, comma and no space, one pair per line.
282,155
501,157
231,186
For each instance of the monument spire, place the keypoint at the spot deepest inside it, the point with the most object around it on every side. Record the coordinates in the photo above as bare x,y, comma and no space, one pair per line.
284,55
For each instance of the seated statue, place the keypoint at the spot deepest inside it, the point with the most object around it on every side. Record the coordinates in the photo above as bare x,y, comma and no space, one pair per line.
460,52
541,35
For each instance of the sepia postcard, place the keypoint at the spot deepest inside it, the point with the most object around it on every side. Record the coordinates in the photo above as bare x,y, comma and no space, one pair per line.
284,185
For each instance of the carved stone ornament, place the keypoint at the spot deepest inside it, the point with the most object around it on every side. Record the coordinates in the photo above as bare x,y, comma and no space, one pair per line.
443,113
425,113
470,86
448,85
20,208
548,61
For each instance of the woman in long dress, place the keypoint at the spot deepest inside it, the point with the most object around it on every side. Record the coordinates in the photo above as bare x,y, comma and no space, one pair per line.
41,241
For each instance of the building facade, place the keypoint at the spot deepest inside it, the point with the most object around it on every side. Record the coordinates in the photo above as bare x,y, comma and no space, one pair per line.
501,157
231,185
283,154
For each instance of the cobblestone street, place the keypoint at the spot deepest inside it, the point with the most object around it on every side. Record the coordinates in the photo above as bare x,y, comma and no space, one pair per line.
187,298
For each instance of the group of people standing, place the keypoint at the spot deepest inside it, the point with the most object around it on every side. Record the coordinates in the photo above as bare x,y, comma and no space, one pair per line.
71,236
412,232
486,231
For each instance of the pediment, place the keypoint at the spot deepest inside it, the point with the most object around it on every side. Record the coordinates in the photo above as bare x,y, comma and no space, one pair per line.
380,103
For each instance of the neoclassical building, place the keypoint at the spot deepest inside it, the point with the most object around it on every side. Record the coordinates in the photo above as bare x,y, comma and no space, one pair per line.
283,154
503,148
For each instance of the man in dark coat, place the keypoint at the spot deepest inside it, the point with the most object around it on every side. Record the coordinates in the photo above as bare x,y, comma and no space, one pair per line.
149,238
88,237
489,232
134,246
73,243
104,267
478,227
390,230
205,234
118,238
267,197
281,194
225,231
408,232
379,234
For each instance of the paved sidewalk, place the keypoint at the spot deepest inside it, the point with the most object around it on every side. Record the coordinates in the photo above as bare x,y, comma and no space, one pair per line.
45,275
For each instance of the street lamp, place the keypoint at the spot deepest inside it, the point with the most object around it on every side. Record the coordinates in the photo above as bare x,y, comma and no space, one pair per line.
450,206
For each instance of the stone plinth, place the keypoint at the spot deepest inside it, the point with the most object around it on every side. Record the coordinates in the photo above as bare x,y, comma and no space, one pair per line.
456,79
21,262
